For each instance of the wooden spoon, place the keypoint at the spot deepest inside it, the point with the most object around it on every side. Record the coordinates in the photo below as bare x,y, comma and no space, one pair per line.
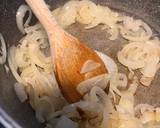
68,53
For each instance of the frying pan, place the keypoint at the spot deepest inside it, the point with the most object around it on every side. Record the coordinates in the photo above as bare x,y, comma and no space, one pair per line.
13,113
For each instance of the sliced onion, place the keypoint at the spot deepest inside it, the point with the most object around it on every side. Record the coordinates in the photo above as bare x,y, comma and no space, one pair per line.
143,107
140,55
98,95
153,62
20,92
67,14
131,24
131,55
65,122
119,80
44,109
6,69
100,81
13,65
3,50
89,66
93,24
146,81
21,57
126,103
33,28
56,12
140,32
33,98
114,32
39,59
131,74
110,65
71,111
133,87
87,12
21,12
90,108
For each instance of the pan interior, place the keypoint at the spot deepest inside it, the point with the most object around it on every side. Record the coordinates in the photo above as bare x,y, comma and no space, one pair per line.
147,10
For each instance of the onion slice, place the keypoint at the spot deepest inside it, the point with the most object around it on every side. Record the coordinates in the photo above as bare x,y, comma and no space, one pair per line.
110,65
21,12
87,85
20,92
97,94
44,108
143,107
3,50
146,81
135,30
65,122
6,69
87,12
89,66
13,65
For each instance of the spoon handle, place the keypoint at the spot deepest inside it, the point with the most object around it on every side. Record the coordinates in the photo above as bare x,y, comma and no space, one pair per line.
44,15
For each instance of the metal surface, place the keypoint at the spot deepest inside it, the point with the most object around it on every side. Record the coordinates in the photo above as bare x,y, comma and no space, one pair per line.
148,10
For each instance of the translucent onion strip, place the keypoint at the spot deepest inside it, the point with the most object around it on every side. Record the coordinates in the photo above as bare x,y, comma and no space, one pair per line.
133,55
3,50
13,65
65,122
87,12
117,80
135,30
21,12
110,65
20,92
100,81
89,66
